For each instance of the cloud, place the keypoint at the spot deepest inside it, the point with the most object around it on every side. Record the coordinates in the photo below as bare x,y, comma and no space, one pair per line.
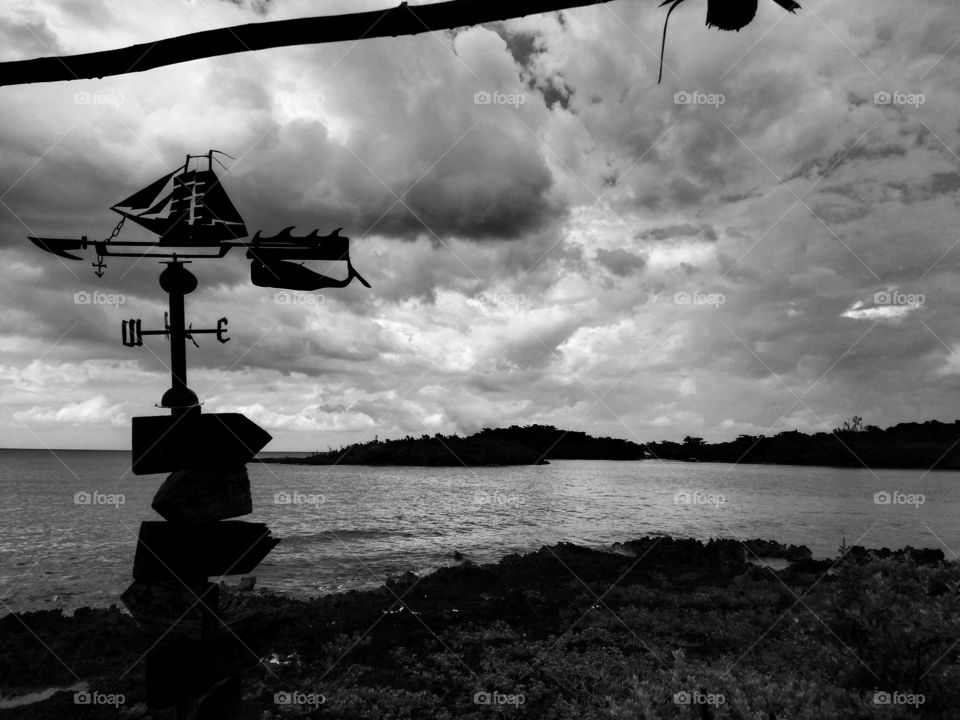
495,235
96,411
620,262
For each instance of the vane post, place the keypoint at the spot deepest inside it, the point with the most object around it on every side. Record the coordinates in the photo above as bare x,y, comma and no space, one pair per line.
177,282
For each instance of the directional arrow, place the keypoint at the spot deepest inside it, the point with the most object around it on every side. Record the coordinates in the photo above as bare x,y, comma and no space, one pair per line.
166,443
191,553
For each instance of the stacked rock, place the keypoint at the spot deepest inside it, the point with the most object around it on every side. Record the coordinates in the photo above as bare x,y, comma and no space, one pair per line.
193,669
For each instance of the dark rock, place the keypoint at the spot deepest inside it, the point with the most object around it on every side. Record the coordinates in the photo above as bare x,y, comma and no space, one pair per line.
247,584
403,581
921,556
925,556
196,496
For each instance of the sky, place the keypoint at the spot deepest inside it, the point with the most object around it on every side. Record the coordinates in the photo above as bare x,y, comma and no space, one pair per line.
769,240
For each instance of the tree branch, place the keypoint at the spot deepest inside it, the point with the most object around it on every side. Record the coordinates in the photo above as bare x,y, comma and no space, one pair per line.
401,20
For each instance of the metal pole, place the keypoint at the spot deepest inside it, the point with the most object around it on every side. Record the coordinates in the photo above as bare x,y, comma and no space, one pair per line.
177,281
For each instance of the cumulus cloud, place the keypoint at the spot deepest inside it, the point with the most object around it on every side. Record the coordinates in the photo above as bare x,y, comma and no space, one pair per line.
526,257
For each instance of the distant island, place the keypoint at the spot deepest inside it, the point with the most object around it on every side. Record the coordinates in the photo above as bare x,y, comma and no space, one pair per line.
531,445
929,445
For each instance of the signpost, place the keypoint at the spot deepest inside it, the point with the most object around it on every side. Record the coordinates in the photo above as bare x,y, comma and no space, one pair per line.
192,672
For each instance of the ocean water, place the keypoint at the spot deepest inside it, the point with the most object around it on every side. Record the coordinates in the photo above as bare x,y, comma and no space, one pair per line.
351,526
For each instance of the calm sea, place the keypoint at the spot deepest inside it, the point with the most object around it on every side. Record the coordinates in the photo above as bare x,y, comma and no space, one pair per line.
351,527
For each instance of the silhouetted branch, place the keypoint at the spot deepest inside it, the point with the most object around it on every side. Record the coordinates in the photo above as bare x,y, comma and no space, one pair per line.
402,20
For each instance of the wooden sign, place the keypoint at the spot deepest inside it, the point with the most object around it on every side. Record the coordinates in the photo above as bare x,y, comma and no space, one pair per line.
167,443
192,553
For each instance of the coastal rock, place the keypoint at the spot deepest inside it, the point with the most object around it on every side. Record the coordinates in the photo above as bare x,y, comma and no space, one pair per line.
197,496
404,581
247,584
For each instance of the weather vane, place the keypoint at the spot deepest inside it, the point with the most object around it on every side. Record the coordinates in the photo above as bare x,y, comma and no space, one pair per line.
193,218
205,453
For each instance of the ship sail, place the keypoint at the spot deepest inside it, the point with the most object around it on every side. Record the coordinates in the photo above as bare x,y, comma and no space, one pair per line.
185,208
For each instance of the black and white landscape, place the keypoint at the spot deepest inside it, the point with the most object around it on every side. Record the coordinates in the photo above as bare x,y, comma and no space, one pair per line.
644,404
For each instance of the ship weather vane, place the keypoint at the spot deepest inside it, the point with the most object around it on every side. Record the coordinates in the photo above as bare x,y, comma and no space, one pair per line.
192,216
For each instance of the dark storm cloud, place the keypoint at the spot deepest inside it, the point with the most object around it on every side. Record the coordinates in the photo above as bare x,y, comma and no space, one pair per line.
620,262
523,46
673,232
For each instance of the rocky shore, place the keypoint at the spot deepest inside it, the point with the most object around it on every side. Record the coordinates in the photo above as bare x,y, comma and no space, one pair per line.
652,628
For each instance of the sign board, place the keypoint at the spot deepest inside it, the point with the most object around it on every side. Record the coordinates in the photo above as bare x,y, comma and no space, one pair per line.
167,443
191,553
